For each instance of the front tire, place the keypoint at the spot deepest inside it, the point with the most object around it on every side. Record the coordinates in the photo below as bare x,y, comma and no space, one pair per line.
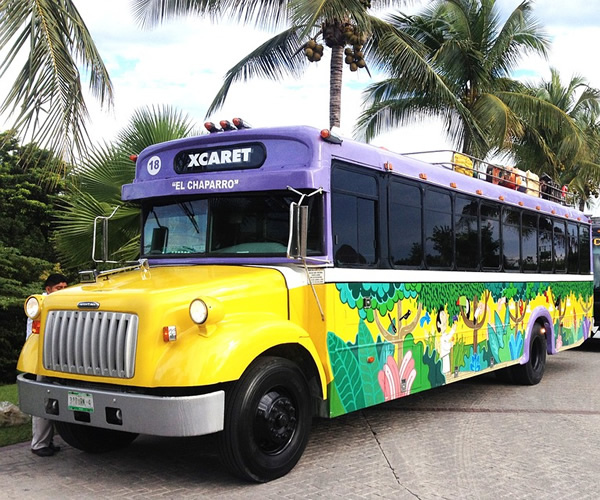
267,420
93,439
531,373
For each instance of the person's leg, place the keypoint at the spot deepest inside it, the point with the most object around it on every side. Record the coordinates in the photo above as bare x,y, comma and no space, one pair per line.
43,431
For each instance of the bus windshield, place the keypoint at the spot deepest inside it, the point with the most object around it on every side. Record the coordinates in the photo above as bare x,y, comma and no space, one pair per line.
241,225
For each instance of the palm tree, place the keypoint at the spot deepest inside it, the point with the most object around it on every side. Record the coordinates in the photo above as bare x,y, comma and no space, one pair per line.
46,97
571,160
344,26
94,187
474,54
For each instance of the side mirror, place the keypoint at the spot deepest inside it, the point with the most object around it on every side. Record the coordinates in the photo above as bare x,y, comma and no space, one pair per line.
297,240
104,237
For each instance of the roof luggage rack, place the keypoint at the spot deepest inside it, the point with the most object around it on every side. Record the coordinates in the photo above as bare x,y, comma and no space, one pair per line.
509,177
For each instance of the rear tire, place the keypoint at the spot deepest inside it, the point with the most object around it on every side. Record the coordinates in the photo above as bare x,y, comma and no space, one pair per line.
267,420
531,373
93,439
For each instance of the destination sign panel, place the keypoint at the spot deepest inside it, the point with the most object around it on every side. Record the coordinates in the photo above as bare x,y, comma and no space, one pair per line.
214,159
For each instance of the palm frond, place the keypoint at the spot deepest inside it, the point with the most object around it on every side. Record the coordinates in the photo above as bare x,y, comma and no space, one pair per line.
46,98
263,13
154,124
94,187
274,59
520,34
403,57
497,119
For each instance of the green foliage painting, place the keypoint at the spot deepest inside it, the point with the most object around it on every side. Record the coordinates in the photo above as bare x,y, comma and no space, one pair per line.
415,336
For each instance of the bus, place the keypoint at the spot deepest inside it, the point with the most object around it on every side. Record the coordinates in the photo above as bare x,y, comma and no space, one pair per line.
288,273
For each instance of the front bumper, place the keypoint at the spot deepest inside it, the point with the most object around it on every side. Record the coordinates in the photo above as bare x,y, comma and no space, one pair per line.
138,413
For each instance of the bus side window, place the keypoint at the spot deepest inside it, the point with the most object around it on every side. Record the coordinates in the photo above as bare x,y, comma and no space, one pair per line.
511,252
573,248
529,242
354,217
560,247
584,249
438,229
490,235
545,244
466,233
406,220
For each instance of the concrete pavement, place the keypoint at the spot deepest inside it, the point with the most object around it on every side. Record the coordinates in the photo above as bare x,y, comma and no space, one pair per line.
475,439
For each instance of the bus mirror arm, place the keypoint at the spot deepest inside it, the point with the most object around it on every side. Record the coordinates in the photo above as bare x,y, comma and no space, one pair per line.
298,235
297,241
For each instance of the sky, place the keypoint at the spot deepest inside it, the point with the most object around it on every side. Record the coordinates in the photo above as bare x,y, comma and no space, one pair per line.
183,62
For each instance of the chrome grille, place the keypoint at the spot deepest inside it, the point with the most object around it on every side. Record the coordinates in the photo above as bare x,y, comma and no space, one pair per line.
91,343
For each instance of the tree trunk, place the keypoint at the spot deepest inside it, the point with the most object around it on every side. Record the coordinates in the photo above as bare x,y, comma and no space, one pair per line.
335,85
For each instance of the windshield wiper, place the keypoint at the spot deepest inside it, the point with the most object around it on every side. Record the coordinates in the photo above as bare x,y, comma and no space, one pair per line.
190,215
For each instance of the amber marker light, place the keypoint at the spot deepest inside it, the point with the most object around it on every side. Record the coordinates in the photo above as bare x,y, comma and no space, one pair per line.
453,185
169,333
423,176
226,125
211,127
328,136
241,124
479,192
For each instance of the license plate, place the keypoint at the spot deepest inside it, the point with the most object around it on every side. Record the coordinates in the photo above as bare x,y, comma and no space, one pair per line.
80,401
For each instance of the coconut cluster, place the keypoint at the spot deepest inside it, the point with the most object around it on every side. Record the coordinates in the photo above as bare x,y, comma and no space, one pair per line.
354,55
313,51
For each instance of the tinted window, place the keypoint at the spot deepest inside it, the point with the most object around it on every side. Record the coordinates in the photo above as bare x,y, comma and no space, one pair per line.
529,241
438,229
354,218
573,248
545,243
406,247
490,235
353,182
584,249
560,247
511,239
466,233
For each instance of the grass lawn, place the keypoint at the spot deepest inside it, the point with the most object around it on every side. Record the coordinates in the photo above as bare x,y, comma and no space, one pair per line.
18,433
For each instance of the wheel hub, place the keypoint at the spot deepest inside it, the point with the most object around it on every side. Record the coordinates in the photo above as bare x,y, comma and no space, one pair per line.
275,422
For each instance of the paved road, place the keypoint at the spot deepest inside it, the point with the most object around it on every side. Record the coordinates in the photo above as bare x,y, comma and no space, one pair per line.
476,439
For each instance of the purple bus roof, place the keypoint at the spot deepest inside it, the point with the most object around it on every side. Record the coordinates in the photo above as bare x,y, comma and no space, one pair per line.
300,158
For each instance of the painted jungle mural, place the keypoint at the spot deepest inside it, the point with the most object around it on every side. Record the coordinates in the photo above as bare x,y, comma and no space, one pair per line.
409,337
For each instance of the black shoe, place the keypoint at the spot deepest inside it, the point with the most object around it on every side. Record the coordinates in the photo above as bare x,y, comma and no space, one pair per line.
54,447
43,452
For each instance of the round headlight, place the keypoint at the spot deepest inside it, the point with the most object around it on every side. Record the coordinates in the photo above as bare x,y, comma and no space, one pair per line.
32,307
198,311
